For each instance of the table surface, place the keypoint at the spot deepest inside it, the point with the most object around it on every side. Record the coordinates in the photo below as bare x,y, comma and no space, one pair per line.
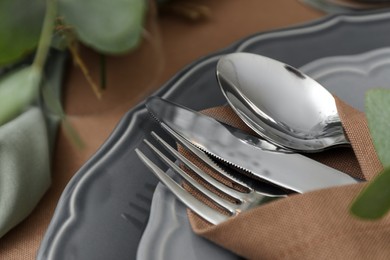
180,42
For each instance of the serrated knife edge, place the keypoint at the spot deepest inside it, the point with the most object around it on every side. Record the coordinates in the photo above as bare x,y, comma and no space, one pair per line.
289,170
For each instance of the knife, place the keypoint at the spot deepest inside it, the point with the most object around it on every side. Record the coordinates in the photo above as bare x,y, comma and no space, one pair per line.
286,169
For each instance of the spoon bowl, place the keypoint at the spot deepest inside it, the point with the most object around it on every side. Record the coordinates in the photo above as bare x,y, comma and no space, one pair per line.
280,103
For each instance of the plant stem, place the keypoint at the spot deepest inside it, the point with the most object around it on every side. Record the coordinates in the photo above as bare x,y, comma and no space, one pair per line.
103,72
46,35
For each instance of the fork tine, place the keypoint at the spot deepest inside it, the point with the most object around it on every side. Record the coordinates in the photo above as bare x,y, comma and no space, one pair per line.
212,196
266,190
202,156
204,211
220,186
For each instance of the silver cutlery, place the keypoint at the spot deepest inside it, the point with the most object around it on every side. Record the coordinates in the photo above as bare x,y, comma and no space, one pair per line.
231,175
292,171
280,103
244,200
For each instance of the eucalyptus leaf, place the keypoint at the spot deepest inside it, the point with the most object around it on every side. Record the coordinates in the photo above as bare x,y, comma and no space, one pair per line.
52,102
72,134
17,90
20,28
112,27
374,201
378,117
59,41
54,105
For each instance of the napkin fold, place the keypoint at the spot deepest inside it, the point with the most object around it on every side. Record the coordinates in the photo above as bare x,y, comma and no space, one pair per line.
314,225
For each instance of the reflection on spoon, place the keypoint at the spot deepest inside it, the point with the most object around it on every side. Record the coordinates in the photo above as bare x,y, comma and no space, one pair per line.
280,103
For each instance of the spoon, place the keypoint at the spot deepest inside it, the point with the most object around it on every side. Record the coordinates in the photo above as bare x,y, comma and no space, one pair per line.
280,103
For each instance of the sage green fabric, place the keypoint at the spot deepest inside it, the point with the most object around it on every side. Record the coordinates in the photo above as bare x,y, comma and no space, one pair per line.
24,167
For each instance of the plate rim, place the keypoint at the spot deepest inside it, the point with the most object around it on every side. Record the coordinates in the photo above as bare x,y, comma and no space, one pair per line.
65,213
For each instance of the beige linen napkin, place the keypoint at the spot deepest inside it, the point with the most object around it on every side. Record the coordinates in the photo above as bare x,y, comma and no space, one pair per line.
314,225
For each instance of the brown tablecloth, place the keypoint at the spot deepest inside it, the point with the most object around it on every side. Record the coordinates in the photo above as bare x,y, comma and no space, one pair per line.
127,84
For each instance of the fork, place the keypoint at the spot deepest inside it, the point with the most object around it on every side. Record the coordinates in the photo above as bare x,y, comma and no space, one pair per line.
245,200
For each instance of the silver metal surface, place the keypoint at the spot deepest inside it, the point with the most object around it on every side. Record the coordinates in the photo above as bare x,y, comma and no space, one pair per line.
245,200
234,176
280,103
288,170
200,208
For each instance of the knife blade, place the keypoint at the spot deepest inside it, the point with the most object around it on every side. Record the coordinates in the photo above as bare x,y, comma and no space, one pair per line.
286,169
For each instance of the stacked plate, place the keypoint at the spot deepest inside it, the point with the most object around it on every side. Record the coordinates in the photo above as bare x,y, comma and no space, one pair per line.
104,212
346,6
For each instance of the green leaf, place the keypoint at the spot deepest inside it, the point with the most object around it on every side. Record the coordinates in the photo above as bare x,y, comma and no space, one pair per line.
20,27
374,201
112,27
59,41
17,90
52,102
72,134
378,117
54,105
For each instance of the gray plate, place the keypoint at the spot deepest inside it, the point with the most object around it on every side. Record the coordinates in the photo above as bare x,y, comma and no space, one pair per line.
168,231
334,7
349,77
104,209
